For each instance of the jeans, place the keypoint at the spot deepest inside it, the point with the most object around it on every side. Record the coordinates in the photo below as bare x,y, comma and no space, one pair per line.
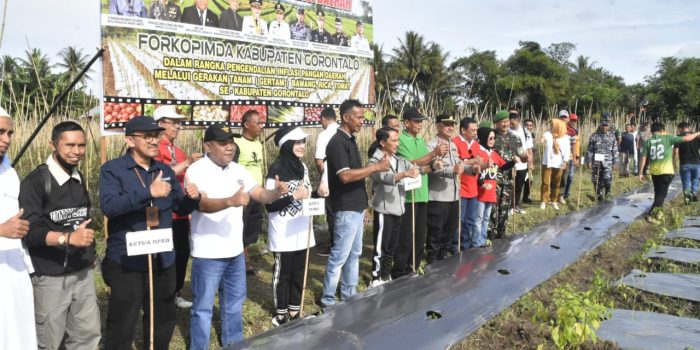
483,211
568,178
469,206
344,259
690,176
226,275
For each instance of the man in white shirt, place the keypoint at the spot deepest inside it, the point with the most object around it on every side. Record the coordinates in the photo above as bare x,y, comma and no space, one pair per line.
330,127
254,24
358,40
521,168
17,328
279,29
218,263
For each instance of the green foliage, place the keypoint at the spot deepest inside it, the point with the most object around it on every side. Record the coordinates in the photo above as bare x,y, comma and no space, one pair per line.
578,315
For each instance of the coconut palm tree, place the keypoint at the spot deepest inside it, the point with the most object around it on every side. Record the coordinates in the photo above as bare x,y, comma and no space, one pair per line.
72,61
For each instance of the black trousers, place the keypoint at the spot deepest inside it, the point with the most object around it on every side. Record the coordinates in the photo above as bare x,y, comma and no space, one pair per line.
442,225
181,243
661,184
129,295
288,280
386,239
252,222
520,183
403,258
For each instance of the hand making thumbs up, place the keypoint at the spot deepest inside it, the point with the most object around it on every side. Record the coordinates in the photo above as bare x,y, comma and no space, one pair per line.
82,236
15,227
159,187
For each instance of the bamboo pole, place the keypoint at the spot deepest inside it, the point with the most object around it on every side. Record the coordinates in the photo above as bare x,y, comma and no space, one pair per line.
306,266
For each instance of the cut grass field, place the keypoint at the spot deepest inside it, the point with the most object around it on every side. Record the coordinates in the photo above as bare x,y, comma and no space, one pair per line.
259,307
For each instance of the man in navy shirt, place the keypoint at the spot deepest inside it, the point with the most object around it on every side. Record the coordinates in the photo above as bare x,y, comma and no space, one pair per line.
129,185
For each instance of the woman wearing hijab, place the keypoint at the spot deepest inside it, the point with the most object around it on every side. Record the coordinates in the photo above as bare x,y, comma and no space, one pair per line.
487,182
387,202
557,152
288,229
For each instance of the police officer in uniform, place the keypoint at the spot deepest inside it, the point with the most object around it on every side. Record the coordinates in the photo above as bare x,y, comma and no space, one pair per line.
601,157
510,148
165,10
339,38
320,35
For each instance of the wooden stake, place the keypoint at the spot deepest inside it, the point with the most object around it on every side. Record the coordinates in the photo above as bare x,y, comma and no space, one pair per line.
150,297
413,227
306,266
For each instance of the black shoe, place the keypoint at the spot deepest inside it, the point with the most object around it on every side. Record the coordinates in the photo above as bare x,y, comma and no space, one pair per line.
323,249
694,198
527,201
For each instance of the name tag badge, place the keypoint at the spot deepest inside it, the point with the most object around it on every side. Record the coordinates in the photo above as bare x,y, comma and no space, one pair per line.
599,157
410,183
152,217
313,207
149,242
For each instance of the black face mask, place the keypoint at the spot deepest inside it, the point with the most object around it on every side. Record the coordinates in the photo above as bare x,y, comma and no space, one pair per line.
63,163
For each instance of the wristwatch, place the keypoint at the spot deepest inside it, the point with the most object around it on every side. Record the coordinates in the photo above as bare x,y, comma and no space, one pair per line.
63,239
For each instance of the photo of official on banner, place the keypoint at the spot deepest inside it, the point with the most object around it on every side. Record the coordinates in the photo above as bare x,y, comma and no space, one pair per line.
287,58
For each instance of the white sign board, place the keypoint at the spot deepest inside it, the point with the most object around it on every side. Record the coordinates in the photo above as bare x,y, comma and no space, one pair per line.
313,207
410,183
149,242
599,157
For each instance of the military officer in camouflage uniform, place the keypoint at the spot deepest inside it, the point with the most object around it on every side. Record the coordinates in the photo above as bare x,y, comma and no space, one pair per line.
601,157
339,38
300,31
165,10
509,147
320,35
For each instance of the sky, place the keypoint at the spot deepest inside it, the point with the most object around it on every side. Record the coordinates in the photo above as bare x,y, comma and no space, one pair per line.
626,37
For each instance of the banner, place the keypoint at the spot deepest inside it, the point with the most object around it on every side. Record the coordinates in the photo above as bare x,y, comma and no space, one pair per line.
216,59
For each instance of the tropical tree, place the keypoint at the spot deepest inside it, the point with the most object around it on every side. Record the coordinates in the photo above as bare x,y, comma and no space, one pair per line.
72,61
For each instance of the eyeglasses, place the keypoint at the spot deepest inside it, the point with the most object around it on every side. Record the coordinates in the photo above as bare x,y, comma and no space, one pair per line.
148,137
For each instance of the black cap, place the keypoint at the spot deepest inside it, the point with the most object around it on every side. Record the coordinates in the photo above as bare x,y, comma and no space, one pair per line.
141,123
218,132
445,118
413,114
279,7
256,2
338,20
300,10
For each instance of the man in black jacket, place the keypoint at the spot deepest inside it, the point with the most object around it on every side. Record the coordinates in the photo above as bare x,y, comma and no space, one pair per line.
199,14
230,19
62,248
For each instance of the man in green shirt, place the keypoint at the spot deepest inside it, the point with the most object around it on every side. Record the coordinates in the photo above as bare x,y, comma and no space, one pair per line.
412,147
659,150
250,156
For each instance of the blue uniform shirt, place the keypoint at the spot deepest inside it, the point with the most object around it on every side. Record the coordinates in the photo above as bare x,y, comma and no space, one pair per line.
124,199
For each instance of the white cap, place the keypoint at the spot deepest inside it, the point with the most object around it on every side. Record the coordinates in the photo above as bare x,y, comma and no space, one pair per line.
295,135
3,113
166,112
563,113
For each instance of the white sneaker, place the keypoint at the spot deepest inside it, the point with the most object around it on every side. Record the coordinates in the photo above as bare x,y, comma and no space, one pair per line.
520,211
562,200
376,283
543,205
181,303
555,206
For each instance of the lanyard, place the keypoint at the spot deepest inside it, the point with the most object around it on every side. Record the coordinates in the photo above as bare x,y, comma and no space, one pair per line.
141,180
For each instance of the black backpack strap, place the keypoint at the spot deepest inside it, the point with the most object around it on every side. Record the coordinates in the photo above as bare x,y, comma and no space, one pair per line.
46,176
